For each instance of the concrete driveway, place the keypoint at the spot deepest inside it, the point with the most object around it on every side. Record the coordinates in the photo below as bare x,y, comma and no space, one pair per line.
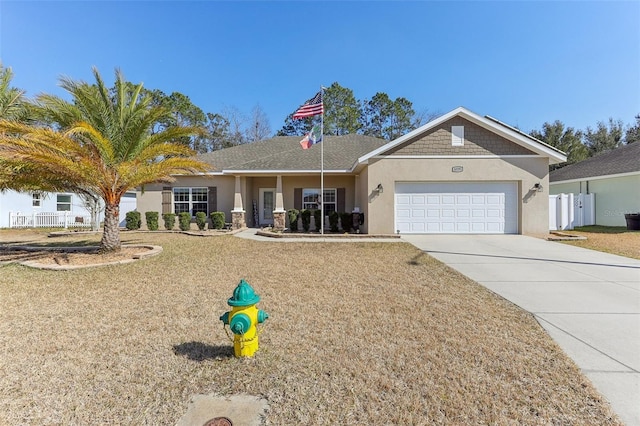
588,301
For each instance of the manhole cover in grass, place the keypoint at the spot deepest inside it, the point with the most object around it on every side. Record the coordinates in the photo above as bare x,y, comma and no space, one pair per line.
219,421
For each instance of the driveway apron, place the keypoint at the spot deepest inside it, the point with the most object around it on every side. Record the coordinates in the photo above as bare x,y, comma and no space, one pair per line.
588,301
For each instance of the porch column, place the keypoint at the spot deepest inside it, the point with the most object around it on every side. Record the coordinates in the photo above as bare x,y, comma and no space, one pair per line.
238,213
356,194
279,214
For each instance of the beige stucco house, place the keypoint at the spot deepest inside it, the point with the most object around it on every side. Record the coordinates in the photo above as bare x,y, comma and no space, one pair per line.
460,173
614,178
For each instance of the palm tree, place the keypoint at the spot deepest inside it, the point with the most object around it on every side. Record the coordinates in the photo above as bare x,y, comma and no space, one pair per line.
100,143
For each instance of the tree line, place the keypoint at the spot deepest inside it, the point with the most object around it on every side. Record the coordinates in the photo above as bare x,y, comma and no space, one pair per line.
582,144
379,116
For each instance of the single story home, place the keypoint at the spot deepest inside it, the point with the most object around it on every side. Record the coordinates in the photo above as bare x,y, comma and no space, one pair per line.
460,173
614,178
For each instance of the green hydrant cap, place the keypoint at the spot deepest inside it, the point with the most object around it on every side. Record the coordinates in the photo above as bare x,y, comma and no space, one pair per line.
243,295
240,324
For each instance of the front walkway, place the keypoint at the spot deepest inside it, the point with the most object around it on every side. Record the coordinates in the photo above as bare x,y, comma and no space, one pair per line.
588,301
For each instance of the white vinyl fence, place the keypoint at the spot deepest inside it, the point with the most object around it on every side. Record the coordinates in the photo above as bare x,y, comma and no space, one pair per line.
566,211
48,220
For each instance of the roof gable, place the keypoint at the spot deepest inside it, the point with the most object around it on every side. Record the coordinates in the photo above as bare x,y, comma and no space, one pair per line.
625,159
507,135
477,141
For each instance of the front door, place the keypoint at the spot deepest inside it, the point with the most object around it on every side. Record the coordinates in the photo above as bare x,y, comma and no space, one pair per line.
267,205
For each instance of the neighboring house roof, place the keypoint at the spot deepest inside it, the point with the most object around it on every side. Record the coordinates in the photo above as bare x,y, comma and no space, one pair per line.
625,159
284,154
510,133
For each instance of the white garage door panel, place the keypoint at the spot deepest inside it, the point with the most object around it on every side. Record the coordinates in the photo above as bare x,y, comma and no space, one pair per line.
402,199
467,207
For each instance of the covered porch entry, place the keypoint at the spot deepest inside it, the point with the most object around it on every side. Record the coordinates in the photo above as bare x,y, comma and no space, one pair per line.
263,200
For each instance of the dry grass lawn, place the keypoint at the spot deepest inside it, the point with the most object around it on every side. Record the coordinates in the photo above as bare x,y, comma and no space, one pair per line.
615,240
359,333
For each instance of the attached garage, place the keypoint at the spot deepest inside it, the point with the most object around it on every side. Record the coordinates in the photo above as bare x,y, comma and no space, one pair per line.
456,207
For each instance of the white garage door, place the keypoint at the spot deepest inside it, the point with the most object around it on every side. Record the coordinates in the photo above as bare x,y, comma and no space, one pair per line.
456,208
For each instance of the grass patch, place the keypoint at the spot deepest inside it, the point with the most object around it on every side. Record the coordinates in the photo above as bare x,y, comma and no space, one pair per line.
599,229
609,239
360,333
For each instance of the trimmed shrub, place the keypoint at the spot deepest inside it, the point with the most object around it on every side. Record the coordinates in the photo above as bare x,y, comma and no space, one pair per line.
169,221
305,215
217,220
133,220
293,219
201,220
345,219
333,221
317,217
184,221
152,220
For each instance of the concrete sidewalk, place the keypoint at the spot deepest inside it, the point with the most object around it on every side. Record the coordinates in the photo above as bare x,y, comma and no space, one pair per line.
588,301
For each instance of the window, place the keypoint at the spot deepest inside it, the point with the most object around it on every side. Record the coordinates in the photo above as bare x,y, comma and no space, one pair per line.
63,202
181,200
190,200
457,135
329,201
36,199
311,199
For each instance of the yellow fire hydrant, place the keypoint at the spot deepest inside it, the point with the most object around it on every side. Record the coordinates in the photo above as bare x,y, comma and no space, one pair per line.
243,318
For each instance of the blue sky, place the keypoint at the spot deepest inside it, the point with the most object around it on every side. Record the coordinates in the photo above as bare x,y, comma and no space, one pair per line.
522,62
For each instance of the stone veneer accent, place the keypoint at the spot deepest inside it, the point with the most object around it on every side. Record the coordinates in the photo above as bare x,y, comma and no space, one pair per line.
279,221
238,220
477,141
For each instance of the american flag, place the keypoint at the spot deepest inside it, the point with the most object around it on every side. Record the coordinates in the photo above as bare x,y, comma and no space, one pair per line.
312,107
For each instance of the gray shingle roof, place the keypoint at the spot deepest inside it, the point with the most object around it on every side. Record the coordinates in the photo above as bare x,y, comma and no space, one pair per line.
526,135
285,153
625,159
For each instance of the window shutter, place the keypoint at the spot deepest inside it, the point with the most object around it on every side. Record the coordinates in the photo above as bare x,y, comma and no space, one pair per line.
340,201
166,199
297,198
212,198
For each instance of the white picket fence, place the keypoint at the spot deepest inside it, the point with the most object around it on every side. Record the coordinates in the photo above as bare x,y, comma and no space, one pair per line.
48,220
566,211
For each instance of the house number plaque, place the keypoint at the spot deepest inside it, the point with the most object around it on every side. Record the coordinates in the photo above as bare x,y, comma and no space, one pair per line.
457,169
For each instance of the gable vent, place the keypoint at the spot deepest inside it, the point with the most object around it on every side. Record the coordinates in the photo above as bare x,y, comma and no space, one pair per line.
457,135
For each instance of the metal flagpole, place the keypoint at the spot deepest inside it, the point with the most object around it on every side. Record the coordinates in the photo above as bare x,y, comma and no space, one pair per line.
322,142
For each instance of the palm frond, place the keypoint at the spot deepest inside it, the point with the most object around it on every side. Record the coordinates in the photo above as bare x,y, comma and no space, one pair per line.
161,151
56,110
102,144
161,171
13,105
170,135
